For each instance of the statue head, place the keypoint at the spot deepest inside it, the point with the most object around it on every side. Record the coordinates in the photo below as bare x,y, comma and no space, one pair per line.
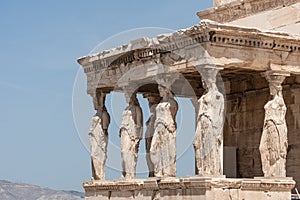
275,79
209,77
209,85
275,89
163,91
152,102
131,98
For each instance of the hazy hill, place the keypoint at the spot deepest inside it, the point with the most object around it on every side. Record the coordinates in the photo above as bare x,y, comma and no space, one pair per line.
20,191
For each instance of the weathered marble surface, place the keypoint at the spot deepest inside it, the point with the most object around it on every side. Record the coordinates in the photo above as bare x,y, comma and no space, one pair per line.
230,10
131,131
274,141
193,188
153,101
163,145
222,2
208,141
98,136
285,19
245,101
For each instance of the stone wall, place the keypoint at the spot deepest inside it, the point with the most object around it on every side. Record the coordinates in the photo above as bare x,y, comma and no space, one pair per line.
244,123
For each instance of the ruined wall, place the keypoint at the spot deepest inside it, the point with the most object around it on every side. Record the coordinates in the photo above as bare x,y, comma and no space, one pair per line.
245,116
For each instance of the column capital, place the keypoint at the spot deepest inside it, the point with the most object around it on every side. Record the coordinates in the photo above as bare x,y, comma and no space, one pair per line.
275,76
99,97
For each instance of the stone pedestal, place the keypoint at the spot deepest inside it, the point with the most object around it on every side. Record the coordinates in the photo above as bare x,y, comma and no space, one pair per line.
198,188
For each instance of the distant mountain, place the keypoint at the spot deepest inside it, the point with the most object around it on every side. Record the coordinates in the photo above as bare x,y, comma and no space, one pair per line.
20,191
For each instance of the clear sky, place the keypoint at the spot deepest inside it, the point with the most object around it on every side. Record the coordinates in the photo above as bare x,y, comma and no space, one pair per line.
39,45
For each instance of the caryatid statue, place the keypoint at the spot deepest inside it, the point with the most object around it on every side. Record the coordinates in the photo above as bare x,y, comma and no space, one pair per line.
131,132
208,141
163,145
98,136
274,142
152,102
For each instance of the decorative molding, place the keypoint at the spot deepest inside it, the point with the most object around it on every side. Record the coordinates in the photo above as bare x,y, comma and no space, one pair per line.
259,184
242,8
198,36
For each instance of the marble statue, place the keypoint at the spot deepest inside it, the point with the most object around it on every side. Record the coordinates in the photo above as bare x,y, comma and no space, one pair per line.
274,142
163,145
131,131
208,141
98,136
152,101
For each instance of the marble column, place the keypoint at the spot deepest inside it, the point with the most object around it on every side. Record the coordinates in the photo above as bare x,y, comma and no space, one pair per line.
98,136
163,145
153,101
131,131
274,141
208,141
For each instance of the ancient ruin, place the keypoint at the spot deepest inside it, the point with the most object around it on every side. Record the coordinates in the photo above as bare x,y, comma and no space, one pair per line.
274,141
153,102
162,151
208,142
242,64
131,132
99,138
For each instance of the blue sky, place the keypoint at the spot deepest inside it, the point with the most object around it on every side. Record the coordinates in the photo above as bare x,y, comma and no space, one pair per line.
39,45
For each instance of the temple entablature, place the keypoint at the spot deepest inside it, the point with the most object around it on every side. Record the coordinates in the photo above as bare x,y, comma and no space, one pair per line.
234,48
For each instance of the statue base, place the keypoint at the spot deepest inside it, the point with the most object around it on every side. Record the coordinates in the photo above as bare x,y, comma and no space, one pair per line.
195,187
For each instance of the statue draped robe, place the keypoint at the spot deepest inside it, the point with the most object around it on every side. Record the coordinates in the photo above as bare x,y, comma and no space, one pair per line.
130,139
208,141
274,142
163,146
98,147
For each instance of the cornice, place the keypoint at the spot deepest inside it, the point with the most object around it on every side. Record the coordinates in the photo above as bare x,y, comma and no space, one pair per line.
242,8
207,32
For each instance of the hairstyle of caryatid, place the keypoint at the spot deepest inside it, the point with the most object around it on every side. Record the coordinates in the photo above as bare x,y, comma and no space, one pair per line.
153,100
168,96
209,78
275,89
165,82
275,85
165,92
275,80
